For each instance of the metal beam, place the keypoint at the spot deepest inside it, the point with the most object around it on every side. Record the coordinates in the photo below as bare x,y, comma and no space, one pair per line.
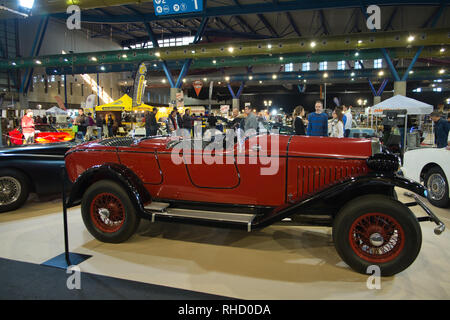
323,22
397,39
268,25
293,24
255,8
391,18
436,17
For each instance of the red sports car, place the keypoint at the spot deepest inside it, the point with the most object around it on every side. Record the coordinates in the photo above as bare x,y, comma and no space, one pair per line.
251,183
44,133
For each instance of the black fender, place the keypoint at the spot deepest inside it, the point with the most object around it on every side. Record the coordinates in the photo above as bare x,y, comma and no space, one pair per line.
117,173
334,197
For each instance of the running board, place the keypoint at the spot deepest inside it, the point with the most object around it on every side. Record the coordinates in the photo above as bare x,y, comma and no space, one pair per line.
158,210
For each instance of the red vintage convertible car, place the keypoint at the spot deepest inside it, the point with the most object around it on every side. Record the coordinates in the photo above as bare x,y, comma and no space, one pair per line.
44,133
347,184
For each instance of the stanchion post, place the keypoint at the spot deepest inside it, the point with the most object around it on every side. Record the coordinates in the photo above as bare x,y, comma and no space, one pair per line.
66,232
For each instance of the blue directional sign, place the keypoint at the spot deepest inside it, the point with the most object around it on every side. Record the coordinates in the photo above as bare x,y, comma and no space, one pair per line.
166,7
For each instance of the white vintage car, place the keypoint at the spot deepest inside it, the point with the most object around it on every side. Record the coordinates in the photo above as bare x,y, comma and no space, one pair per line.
432,167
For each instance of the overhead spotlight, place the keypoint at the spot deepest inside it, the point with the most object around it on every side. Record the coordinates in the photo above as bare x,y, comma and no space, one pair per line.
193,51
219,82
38,62
13,63
281,58
269,46
28,4
274,76
313,44
163,80
381,73
411,38
205,79
411,72
250,78
214,61
157,54
184,80
124,56
102,68
227,78
93,59
442,71
352,74
325,75
356,54
299,76
66,60
230,49
353,79
155,65
359,41
260,81
442,50
304,80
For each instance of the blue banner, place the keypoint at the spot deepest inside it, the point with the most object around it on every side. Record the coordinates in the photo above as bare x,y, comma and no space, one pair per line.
167,7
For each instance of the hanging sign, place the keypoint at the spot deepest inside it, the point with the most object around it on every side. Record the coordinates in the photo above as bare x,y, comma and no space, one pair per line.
139,85
167,7
198,85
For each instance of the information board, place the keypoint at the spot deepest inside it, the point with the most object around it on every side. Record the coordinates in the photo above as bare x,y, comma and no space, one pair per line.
167,7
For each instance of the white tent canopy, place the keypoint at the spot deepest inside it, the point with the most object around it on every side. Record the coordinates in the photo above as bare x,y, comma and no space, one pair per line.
56,110
401,102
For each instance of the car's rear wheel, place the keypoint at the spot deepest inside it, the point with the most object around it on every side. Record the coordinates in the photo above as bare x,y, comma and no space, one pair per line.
437,185
108,213
14,189
377,230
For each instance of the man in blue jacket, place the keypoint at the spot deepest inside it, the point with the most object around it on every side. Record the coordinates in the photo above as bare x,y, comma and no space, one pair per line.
441,128
318,122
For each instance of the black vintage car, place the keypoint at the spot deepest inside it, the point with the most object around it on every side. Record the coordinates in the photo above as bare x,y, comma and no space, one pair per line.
30,168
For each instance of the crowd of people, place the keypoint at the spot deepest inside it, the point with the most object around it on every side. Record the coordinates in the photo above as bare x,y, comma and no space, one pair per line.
317,124
314,124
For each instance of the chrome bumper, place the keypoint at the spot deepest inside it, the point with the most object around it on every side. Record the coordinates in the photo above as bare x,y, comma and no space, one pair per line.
431,216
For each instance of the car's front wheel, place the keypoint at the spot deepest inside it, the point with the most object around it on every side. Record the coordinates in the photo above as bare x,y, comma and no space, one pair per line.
108,213
14,189
437,184
377,230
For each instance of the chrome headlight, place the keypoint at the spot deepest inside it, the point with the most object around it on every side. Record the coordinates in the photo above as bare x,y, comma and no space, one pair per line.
376,146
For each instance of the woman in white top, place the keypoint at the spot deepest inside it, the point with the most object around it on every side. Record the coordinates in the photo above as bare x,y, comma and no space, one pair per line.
337,125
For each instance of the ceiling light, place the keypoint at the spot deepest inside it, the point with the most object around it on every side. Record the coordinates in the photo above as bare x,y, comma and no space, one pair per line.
26,3
38,62
102,68
313,44
442,71
214,61
13,63
269,46
274,76
325,75
410,38
359,41
193,51
356,54
230,49
381,73
353,79
155,65
442,50
227,78
352,74
205,79
157,54
184,80
411,72
281,58
250,77
124,56
93,59
163,80
260,81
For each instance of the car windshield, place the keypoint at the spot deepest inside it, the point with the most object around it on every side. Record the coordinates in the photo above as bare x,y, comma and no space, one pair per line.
44,128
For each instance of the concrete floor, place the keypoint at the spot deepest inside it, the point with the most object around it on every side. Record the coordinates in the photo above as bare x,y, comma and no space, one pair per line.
279,262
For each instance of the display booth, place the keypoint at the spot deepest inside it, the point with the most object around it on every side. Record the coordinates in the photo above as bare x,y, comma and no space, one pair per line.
398,103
